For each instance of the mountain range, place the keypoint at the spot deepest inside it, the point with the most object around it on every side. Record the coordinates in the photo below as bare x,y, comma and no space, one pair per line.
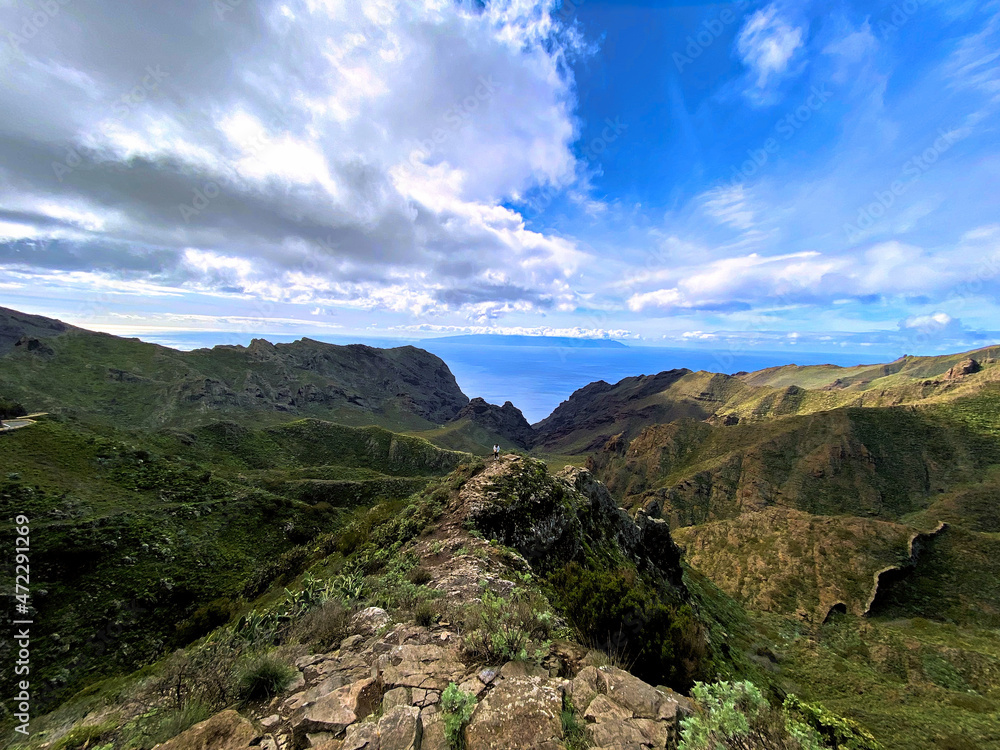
824,531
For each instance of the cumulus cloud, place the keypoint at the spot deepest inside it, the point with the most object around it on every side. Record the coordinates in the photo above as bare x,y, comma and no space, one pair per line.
336,151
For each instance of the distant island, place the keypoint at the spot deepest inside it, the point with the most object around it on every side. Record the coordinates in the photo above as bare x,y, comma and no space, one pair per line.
491,339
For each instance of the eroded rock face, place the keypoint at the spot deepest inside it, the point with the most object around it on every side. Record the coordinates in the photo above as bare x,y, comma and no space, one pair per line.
963,368
369,621
520,712
506,421
226,730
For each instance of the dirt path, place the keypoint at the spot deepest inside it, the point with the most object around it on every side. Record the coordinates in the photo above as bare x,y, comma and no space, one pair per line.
460,563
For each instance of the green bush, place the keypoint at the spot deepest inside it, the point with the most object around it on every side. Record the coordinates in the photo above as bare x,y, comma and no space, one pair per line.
620,612
263,678
324,627
736,716
424,614
501,629
836,731
457,707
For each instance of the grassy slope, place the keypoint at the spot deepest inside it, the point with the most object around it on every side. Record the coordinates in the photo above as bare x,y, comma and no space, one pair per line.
189,523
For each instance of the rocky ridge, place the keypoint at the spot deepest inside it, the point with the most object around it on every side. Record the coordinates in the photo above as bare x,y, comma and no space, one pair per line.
381,688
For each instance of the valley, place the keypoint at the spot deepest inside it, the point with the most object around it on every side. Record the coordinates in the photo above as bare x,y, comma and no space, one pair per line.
825,532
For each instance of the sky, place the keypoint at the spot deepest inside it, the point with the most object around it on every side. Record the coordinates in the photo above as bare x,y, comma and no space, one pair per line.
822,175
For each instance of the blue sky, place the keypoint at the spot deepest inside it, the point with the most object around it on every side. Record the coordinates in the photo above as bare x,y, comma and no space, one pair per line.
820,175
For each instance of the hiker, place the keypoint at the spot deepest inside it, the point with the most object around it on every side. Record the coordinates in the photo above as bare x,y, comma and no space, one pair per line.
496,452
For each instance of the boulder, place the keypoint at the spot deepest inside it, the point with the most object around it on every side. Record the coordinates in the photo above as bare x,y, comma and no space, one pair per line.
335,712
400,729
226,730
369,621
361,737
519,713
963,368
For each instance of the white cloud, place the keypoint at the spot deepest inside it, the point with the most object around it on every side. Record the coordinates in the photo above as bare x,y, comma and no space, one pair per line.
356,154
766,44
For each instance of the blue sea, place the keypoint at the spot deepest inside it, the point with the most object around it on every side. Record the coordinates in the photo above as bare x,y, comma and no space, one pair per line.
536,379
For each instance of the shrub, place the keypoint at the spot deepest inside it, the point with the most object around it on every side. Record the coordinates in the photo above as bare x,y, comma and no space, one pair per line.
418,575
736,716
263,678
424,614
326,626
501,629
457,707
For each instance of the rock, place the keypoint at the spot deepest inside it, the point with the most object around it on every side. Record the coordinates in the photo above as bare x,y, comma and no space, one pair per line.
351,642
396,697
226,730
335,712
298,682
426,667
362,736
308,660
433,737
371,620
584,688
641,698
630,731
520,712
400,729
506,421
487,676
269,721
963,368
319,739
522,669
422,697
603,709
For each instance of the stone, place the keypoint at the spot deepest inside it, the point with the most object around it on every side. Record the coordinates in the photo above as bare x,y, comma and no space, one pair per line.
268,743
963,368
631,731
269,721
522,669
585,687
308,660
487,676
603,708
317,739
433,736
641,698
351,642
362,736
335,712
414,666
298,682
227,730
396,697
400,729
519,713
370,621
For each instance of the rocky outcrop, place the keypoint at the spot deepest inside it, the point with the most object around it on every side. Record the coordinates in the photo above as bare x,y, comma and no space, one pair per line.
507,421
384,693
16,326
224,731
963,368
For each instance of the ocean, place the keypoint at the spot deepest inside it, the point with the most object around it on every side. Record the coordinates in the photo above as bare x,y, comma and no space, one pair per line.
536,379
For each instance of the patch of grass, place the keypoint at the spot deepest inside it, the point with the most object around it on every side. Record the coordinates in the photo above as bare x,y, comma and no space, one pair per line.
263,678
574,730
